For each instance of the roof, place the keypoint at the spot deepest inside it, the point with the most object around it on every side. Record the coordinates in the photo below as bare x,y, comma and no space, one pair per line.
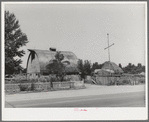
112,66
142,73
44,56
101,70
97,70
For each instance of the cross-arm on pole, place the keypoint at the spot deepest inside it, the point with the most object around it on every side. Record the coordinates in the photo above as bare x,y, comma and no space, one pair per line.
109,46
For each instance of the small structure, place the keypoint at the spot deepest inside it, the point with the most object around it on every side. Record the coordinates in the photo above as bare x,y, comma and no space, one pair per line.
107,74
103,72
39,59
142,73
111,66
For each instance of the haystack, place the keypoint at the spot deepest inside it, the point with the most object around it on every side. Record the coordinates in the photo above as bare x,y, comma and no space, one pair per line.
111,66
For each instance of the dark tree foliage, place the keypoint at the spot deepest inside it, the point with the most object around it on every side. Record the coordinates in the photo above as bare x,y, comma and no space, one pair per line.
81,67
57,66
24,70
132,69
84,68
120,66
143,68
96,66
87,67
14,39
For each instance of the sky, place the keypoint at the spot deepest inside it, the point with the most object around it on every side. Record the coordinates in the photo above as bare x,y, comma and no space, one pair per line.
82,29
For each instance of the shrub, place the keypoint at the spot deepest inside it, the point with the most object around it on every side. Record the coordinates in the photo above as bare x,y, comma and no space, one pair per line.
40,79
142,80
32,87
20,77
47,79
54,79
123,81
126,81
23,87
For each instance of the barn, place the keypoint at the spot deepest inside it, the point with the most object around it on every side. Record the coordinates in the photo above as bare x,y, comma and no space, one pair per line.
39,59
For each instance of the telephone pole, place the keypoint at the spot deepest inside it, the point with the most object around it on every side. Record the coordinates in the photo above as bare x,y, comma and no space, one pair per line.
108,46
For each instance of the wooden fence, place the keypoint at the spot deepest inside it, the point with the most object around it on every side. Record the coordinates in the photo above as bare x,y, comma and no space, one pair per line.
115,80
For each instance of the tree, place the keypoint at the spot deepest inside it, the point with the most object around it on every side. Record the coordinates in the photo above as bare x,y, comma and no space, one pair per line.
81,68
139,65
24,70
57,66
120,66
143,68
14,39
139,68
87,67
96,66
84,68
131,68
128,68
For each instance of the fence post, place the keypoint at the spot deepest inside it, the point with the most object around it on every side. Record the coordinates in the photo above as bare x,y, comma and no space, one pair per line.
115,81
135,81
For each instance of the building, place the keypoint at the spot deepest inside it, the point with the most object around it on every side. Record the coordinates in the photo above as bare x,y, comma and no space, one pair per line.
39,59
112,67
107,74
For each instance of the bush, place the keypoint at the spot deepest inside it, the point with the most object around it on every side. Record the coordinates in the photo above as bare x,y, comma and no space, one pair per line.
32,87
54,79
48,79
142,80
23,87
20,77
41,79
124,81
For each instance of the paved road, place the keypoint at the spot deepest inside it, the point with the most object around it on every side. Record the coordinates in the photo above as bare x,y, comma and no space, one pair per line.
132,99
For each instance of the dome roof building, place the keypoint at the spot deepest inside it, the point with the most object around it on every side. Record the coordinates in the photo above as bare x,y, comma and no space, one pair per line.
39,59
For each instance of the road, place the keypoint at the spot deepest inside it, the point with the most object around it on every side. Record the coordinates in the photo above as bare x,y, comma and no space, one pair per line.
129,99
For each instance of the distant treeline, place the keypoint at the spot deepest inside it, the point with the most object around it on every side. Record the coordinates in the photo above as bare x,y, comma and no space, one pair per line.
132,69
86,68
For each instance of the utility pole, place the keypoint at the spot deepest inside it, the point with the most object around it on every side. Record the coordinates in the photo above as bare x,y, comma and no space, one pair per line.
108,46
109,50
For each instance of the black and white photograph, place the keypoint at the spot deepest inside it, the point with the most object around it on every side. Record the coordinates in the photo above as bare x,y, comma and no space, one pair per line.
74,60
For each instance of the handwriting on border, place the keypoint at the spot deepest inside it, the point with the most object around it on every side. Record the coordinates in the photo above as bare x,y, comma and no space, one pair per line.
77,109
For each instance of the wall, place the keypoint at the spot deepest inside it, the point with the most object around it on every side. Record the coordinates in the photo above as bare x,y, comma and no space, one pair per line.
33,64
40,86
105,80
78,84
